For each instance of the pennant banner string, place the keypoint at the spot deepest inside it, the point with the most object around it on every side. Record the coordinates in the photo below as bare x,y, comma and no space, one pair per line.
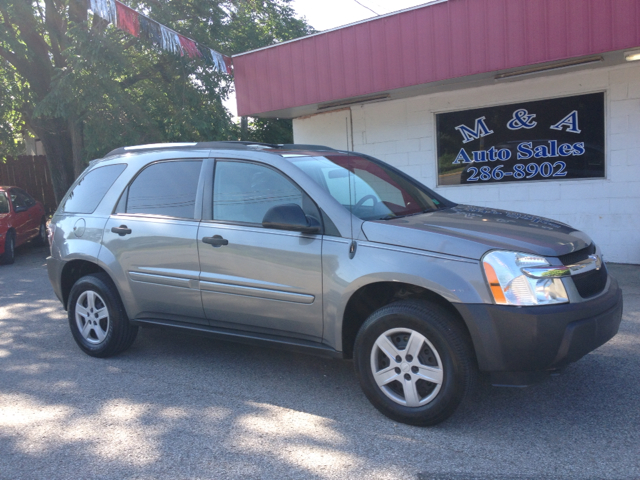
128,19
133,22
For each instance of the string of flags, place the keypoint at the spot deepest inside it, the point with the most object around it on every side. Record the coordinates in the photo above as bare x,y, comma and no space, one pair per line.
135,23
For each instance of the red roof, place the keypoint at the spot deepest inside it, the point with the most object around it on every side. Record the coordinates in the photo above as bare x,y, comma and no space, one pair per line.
434,42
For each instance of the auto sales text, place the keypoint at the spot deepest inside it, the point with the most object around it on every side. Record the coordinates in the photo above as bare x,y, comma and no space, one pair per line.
525,151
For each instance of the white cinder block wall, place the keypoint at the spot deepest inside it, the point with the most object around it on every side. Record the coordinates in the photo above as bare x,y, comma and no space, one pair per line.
402,133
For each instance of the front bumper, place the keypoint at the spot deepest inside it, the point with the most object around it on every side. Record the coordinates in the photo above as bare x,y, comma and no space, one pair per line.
521,345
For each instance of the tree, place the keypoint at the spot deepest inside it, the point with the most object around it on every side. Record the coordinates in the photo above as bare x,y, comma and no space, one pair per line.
84,87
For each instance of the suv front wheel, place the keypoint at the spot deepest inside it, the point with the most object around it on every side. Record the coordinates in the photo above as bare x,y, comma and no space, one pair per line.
97,318
415,362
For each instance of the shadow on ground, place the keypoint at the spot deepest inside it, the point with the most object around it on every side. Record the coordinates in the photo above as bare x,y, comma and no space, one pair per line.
178,406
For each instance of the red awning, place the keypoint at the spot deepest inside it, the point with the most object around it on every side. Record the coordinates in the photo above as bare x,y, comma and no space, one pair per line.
434,42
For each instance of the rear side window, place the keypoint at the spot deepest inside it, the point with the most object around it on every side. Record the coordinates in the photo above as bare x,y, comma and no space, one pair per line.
168,189
89,191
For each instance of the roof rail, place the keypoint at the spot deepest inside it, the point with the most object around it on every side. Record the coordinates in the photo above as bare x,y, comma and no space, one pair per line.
301,146
224,144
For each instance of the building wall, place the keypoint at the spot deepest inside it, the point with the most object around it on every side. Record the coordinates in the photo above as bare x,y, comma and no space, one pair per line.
402,133
332,129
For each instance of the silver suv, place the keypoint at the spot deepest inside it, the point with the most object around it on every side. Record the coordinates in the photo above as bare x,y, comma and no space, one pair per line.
332,253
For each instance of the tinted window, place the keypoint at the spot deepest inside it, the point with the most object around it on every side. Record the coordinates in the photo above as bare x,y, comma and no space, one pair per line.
26,198
17,199
244,192
167,188
4,203
88,193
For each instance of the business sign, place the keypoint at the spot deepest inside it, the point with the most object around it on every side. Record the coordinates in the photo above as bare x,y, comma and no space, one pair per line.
554,139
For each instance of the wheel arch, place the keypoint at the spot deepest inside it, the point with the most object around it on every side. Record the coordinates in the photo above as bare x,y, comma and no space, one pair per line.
372,296
72,272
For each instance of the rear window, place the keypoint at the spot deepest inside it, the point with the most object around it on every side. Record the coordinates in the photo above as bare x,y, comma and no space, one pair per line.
89,191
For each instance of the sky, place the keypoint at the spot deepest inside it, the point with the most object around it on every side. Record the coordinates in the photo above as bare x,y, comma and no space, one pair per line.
327,14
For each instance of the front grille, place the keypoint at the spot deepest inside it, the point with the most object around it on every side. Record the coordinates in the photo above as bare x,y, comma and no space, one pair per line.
590,283
575,257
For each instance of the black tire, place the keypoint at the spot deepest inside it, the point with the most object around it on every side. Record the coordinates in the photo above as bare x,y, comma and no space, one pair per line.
444,354
103,336
9,255
42,238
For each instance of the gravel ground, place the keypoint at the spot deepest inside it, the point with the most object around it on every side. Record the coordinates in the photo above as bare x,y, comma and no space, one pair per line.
176,406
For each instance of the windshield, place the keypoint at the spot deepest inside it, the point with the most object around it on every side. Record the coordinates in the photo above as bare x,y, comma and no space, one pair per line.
4,203
373,191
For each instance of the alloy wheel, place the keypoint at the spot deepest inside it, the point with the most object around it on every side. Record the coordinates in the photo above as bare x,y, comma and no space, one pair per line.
407,367
92,317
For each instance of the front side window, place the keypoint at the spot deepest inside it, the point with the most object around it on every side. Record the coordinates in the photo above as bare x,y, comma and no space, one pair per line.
26,199
4,203
91,189
369,189
167,188
17,199
243,192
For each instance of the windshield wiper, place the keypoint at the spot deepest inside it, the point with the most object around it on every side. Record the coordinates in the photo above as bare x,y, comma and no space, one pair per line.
392,216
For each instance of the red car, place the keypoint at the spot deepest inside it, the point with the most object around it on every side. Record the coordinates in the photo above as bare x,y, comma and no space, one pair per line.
22,219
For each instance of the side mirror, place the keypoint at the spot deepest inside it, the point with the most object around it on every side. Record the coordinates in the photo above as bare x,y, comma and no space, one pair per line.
20,209
290,217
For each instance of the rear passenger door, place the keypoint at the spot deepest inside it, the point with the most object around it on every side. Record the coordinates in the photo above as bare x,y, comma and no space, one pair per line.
152,237
257,278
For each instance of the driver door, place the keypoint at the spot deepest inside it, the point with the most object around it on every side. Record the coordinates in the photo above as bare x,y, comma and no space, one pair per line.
255,278
21,218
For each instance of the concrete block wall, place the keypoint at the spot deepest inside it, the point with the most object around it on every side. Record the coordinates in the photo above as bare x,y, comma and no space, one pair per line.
402,133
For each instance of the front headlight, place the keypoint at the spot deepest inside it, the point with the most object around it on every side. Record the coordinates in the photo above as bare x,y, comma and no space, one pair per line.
510,284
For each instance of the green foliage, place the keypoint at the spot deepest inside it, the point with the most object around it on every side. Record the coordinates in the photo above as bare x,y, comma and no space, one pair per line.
11,123
59,63
269,130
136,95
257,23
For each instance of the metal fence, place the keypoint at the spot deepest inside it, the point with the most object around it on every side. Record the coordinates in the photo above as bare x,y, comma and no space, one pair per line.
30,173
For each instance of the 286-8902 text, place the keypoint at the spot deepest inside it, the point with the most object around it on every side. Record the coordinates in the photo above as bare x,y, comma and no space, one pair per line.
520,171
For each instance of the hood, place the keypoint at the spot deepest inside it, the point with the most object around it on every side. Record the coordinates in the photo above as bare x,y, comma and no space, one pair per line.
468,231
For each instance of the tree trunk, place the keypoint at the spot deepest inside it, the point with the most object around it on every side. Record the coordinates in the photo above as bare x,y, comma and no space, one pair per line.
78,11
57,146
244,129
76,129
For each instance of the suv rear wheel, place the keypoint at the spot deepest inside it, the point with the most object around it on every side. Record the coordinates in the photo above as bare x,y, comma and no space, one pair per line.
415,362
97,318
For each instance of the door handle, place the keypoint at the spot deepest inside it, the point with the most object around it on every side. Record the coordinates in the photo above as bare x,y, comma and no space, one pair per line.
216,241
122,230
